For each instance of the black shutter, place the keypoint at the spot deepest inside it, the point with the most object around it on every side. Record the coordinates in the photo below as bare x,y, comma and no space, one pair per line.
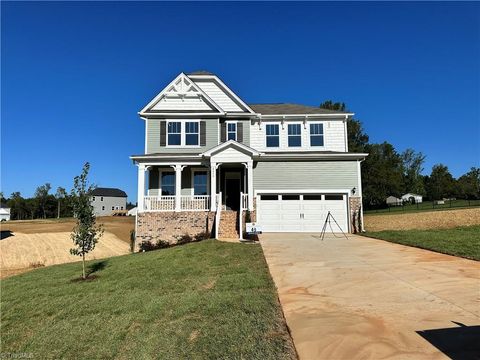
163,133
203,133
223,132
240,132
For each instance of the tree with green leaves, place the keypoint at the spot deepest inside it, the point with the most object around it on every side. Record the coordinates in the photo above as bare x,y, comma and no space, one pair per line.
59,195
412,171
41,195
440,184
86,232
468,185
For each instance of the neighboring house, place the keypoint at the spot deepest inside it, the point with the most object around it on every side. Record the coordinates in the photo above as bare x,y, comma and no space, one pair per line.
394,201
209,157
413,198
106,201
4,212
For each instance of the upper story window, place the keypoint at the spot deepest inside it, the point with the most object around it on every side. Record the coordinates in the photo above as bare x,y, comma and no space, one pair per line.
200,185
294,135
231,131
167,183
101,199
316,134
273,137
191,133
174,133
93,198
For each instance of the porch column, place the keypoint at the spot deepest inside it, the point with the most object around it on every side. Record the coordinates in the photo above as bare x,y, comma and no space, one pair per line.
141,188
178,186
250,184
213,186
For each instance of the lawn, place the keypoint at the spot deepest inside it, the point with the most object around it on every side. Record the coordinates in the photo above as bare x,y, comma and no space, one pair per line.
202,300
461,241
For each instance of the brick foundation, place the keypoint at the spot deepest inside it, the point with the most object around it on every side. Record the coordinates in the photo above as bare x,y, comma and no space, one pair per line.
355,218
168,226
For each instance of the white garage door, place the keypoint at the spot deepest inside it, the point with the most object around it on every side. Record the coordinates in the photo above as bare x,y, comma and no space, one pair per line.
301,212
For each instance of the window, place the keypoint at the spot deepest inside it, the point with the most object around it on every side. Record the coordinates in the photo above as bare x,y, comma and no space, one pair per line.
191,133
103,207
290,197
334,197
316,134
269,197
93,198
121,207
312,197
273,138
231,131
294,135
174,133
101,199
113,207
200,183
168,183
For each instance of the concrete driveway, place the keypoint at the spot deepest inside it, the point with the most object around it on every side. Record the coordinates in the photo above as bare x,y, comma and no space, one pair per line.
361,298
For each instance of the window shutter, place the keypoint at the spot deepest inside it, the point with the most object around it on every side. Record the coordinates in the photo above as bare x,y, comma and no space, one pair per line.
203,133
223,132
163,133
240,132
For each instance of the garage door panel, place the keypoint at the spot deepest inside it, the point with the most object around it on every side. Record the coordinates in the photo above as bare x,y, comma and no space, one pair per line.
302,215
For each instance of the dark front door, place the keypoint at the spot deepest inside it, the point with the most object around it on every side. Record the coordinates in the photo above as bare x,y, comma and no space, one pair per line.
232,194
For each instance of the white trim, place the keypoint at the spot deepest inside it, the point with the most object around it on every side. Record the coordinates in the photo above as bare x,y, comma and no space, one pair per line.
346,133
192,184
183,134
145,110
226,129
279,116
303,191
146,136
230,143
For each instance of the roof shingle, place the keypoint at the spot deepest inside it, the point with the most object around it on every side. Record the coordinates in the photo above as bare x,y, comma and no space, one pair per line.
111,192
290,109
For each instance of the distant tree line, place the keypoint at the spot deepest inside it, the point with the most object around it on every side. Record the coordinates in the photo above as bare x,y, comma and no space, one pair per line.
42,205
387,172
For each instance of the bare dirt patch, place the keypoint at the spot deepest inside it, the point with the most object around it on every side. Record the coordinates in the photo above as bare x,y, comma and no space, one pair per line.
423,220
117,225
22,252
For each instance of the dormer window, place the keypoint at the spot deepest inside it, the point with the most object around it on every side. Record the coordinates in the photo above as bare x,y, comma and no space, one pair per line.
231,131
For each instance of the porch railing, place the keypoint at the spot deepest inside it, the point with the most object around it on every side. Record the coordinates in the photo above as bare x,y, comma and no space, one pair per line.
168,203
195,202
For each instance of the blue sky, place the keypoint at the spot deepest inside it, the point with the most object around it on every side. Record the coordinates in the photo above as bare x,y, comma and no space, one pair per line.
74,75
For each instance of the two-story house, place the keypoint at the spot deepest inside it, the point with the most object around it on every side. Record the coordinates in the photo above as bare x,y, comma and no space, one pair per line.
210,157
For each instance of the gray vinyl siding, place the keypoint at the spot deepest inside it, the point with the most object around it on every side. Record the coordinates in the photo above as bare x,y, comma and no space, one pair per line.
305,175
153,138
107,203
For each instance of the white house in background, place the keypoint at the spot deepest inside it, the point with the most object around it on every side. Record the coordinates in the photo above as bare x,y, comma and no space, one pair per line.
4,212
394,201
107,201
413,198
210,157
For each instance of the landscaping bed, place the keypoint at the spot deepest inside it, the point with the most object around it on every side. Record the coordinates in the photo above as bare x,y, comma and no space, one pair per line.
461,241
202,300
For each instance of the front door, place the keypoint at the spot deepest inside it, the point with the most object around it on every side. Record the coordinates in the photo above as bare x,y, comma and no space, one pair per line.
232,190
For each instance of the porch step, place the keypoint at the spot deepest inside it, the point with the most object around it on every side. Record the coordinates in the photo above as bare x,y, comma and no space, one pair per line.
227,228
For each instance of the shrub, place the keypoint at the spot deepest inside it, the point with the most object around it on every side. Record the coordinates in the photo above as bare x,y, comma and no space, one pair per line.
184,239
202,236
162,244
147,246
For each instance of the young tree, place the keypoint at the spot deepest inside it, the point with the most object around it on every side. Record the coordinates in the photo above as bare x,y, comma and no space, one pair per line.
469,184
412,169
41,195
59,195
86,233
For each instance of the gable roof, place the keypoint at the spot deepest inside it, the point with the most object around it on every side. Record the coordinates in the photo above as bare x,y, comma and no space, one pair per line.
110,192
291,109
230,144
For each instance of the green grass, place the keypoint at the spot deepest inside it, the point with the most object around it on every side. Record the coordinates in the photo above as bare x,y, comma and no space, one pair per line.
202,300
462,241
425,206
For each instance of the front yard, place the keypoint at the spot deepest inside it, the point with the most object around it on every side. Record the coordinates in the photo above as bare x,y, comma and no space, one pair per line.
201,300
461,241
